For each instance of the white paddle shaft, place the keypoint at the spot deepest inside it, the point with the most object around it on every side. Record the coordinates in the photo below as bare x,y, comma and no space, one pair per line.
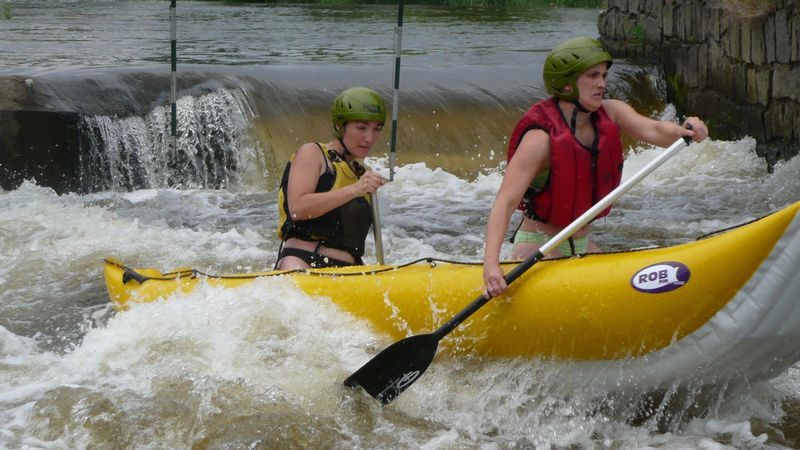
606,201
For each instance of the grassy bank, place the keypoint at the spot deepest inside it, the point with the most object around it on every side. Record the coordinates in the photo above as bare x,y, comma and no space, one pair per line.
459,3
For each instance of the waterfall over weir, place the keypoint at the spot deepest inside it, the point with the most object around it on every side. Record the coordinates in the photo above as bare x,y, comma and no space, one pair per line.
213,147
237,127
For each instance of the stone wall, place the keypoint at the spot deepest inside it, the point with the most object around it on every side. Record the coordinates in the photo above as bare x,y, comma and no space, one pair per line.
733,64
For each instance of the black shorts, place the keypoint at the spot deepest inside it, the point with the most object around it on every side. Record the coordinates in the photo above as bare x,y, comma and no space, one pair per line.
313,259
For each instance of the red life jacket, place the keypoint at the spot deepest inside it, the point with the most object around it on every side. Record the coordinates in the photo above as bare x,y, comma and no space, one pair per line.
579,177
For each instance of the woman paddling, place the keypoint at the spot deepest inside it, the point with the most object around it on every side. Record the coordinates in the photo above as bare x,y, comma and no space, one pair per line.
323,201
565,154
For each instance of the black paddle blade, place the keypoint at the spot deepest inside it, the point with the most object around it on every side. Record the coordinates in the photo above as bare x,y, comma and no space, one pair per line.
396,368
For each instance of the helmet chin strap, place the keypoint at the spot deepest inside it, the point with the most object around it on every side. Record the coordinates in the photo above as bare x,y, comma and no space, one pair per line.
578,107
357,168
346,150
574,121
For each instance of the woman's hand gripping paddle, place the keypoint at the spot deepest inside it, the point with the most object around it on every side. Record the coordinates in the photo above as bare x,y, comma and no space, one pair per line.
397,367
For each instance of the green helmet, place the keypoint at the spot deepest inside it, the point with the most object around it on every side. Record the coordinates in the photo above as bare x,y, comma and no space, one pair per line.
567,61
356,103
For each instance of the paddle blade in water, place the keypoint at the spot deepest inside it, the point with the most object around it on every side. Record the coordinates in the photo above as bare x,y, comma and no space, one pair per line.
396,368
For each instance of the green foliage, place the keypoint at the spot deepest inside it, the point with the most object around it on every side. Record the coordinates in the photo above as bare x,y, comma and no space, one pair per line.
458,3
637,35
6,11
634,33
678,89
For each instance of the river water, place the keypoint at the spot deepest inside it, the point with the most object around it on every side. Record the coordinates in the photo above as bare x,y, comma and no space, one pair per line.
261,366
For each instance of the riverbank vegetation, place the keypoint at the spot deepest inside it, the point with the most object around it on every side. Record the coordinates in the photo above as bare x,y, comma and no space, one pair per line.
459,3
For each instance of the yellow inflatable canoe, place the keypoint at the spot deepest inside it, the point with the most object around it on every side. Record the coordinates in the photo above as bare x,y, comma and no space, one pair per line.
731,296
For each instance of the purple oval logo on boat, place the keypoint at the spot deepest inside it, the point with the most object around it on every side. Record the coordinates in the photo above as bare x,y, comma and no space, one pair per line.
662,277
